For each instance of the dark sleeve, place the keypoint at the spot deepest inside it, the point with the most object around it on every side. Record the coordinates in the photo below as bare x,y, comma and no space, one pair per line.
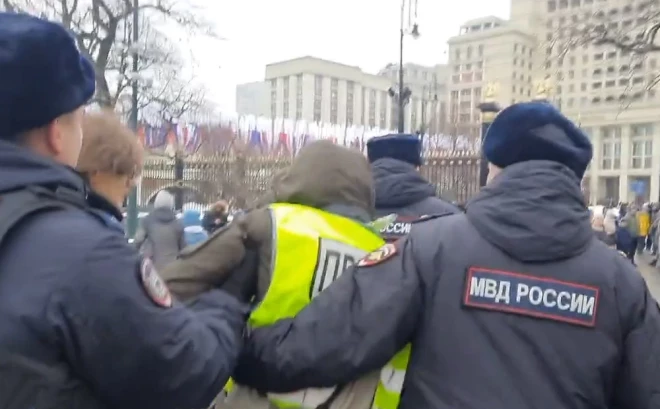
208,221
638,381
353,327
134,352
206,265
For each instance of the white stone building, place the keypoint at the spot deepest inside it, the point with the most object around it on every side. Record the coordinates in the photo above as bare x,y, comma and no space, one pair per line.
602,88
316,90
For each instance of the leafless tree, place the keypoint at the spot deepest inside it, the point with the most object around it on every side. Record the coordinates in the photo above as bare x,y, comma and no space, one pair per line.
632,30
103,28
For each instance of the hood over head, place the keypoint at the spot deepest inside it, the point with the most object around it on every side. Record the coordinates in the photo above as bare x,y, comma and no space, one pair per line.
398,184
163,214
324,174
164,199
533,211
20,167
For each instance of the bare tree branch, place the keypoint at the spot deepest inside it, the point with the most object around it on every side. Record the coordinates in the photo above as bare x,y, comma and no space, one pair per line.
632,30
103,32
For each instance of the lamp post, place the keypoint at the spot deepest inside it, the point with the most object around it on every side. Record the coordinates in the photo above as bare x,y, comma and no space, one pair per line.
489,110
179,167
430,94
132,219
403,93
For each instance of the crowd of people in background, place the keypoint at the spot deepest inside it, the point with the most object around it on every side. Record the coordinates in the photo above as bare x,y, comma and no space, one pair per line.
164,232
631,229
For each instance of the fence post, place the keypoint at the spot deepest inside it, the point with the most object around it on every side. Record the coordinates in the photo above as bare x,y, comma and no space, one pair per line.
179,166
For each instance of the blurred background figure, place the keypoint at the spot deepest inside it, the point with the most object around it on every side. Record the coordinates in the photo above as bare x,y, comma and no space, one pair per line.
160,235
193,232
216,216
643,218
110,161
625,236
610,221
598,226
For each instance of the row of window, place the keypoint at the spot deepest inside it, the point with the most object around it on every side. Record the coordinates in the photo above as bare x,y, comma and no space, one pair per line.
623,75
468,53
469,66
412,73
554,5
467,77
641,146
479,27
598,56
641,154
613,83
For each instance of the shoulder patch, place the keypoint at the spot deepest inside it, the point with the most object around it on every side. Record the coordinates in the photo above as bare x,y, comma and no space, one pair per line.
154,285
384,253
397,229
528,295
428,217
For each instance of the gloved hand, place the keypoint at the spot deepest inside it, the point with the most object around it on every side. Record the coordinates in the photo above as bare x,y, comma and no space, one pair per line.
242,282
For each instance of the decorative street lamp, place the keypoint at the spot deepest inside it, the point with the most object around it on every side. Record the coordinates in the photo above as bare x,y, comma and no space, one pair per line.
489,110
402,95
132,213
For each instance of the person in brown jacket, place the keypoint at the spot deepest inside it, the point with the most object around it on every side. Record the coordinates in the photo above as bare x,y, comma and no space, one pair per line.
323,176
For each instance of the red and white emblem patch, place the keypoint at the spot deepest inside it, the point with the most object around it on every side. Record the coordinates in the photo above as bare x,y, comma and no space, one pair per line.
378,256
154,285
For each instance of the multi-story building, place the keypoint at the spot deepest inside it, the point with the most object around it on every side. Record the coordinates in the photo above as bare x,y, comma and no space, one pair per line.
488,51
252,98
429,92
316,90
599,86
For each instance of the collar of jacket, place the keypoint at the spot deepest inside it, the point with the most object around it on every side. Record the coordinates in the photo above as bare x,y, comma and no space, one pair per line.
350,211
98,202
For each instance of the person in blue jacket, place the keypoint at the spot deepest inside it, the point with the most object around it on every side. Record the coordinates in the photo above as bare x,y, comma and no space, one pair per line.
515,304
400,188
85,323
193,231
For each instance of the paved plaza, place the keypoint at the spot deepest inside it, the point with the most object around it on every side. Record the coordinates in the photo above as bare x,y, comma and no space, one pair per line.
651,274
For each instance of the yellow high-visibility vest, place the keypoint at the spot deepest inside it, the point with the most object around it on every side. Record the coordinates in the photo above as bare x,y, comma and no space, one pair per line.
310,251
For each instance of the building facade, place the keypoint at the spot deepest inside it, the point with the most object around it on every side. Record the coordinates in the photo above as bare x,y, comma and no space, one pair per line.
318,90
429,94
252,98
488,51
604,89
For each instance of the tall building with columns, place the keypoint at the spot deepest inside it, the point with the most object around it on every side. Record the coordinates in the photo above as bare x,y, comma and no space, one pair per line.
602,88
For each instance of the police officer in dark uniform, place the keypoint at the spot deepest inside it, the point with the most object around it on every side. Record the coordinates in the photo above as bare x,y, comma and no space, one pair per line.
514,304
400,188
84,322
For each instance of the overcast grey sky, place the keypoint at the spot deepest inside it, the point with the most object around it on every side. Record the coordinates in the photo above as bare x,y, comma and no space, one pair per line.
354,32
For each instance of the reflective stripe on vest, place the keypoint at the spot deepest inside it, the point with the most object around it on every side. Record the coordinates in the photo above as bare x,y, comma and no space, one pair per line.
388,392
311,249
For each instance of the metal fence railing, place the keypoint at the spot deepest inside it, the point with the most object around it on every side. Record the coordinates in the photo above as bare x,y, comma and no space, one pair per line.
243,178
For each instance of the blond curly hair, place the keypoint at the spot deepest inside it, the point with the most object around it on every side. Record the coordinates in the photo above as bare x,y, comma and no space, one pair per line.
109,146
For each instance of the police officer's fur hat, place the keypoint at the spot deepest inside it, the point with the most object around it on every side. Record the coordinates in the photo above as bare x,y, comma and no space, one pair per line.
43,75
536,131
404,147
